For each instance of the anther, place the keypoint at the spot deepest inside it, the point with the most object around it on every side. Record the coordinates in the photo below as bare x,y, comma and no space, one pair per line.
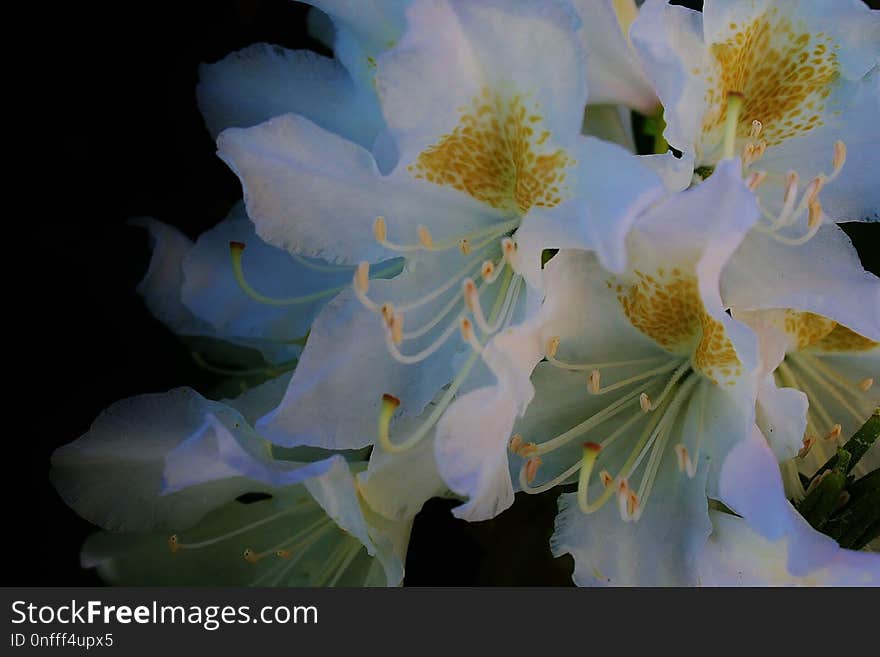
362,277
685,464
532,466
467,329
397,328
645,403
516,442
552,347
508,248
465,245
593,382
387,311
757,127
623,500
380,229
791,186
754,181
835,432
839,155
173,543
237,246
469,289
813,189
425,238
527,450
487,270
815,214
809,441
606,478
865,384
284,554
250,556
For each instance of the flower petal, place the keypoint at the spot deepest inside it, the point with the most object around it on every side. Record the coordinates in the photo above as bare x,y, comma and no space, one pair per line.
261,81
823,276
737,556
112,475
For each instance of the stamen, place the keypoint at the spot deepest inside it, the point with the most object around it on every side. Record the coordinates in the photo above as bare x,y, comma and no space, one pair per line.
835,432
387,310
380,229
685,464
839,155
809,441
487,271
425,238
594,380
591,453
645,403
734,107
528,449
464,245
756,179
623,500
250,556
235,251
606,478
531,468
467,334
362,277
755,131
516,442
552,347
508,249
418,357
397,328
865,384
174,543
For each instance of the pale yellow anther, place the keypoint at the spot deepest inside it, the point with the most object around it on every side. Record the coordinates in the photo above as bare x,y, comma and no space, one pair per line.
623,500
250,556
425,238
532,466
809,441
791,186
380,229
515,443
835,432
645,403
397,328
839,155
814,188
464,244
606,478
593,382
362,277
467,329
469,290
865,384
815,214
756,129
685,464
632,503
508,248
527,450
756,179
487,269
552,347
387,311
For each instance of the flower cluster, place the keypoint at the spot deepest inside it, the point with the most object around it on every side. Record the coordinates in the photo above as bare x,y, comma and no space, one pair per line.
460,277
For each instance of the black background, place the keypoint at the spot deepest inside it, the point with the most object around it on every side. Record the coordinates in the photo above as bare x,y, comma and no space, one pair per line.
110,88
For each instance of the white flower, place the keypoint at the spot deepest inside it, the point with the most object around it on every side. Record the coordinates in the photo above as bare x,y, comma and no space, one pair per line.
790,85
190,494
484,101
644,366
